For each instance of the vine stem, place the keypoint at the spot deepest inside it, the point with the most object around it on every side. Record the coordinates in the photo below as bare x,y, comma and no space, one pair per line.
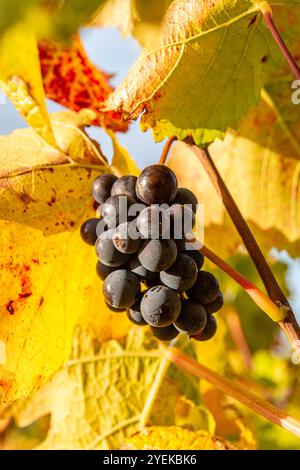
270,24
289,323
234,390
166,150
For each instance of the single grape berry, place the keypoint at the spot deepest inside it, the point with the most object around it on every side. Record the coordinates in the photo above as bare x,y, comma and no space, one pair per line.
181,275
182,220
121,289
165,334
102,187
206,288
153,222
180,243
107,252
125,185
186,197
114,309
88,231
216,305
115,210
126,238
197,257
158,255
103,271
141,272
101,227
209,331
134,313
192,318
157,184
160,306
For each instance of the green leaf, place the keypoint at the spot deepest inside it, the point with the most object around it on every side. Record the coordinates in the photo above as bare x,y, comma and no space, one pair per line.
214,60
60,20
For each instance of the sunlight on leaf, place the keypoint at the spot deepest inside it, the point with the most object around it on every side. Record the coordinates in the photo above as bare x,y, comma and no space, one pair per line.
20,77
48,275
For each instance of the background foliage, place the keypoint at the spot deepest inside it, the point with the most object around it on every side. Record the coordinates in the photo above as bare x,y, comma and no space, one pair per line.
72,374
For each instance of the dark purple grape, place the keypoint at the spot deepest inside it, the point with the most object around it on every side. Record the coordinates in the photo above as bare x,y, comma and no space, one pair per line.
107,252
192,318
134,313
182,220
121,289
216,305
103,271
153,222
125,185
181,275
157,184
88,231
185,197
114,309
101,227
115,210
141,272
180,243
102,187
158,255
206,288
209,330
165,334
126,238
160,306
197,257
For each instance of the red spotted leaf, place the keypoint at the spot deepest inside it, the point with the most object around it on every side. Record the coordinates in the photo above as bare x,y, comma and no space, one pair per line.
72,80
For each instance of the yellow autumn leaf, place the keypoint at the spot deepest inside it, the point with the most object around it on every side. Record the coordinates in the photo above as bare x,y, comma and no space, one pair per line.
176,438
97,399
48,276
122,163
263,182
21,79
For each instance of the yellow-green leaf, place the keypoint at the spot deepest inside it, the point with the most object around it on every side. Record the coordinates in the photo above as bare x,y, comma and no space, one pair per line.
122,163
48,276
97,399
21,79
213,61
176,438
264,182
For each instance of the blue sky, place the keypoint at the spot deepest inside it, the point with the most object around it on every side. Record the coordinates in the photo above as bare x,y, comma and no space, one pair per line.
115,54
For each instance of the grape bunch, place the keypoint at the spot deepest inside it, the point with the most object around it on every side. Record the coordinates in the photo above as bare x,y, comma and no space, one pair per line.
148,268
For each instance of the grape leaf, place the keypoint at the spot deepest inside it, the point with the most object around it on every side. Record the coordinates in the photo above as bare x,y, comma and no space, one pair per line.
59,20
264,182
97,399
73,81
48,277
139,18
175,438
122,163
20,77
214,59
